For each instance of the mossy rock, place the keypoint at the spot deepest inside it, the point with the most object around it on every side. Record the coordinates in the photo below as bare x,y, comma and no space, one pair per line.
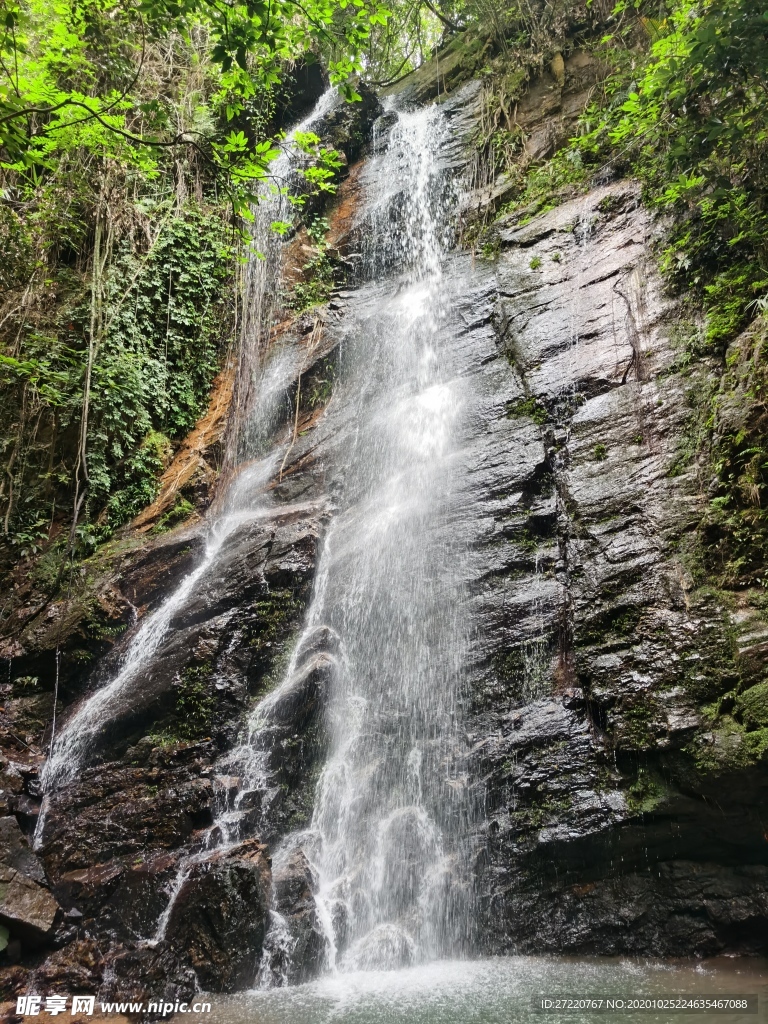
729,748
752,706
647,793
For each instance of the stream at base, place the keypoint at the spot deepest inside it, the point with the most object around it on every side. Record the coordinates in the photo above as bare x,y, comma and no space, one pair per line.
501,990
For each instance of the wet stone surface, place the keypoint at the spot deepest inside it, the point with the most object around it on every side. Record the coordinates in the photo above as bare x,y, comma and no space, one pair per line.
597,652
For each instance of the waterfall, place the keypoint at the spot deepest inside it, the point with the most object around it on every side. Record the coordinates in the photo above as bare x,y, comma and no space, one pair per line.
389,837
388,628
263,277
259,404
390,804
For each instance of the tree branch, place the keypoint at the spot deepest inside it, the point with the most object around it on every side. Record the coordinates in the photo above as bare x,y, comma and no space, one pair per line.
446,21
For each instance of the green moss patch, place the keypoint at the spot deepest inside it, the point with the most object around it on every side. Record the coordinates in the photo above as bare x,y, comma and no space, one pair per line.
752,706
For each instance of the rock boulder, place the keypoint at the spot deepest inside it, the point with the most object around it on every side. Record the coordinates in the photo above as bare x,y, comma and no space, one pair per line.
220,917
27,908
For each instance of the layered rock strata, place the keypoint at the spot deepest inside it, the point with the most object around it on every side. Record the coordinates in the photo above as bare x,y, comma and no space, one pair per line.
619,820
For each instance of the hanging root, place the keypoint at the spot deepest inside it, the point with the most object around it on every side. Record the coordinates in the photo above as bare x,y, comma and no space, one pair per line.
313,342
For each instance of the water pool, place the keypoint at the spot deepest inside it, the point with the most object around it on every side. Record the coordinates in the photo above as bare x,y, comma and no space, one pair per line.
498,991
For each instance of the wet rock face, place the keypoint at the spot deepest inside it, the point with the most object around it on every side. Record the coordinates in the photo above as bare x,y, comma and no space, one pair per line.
680,908
348,127
27,908
110,839
610,801
219,918
15,851
301,954
213,935
222,640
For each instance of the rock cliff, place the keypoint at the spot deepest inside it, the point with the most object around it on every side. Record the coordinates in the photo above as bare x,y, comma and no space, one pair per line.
619,818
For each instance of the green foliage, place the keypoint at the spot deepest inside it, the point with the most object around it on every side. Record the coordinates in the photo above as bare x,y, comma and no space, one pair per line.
490,248
168,315
160,336
28,537
195,702
543,187
404,40
319,271
616,622
180,511
600,452
543,809
500,39
735,528
634,729
49,568
137,475
68,78
24,685
317,387
528,406
48,384
155,365
690,118
683,108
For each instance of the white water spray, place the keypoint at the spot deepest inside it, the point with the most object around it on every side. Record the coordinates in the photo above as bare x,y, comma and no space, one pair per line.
388,840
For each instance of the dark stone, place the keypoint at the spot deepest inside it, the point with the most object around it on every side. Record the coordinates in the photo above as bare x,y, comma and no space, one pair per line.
302,87
348,127
28,809
383,125
77,968
681,908
148,973
15,851
27,908
301,699
294,886
220,917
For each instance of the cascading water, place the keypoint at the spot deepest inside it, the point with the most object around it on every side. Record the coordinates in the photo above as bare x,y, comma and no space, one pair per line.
391,805
263,272
389,838
259,406
388,627
387,650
